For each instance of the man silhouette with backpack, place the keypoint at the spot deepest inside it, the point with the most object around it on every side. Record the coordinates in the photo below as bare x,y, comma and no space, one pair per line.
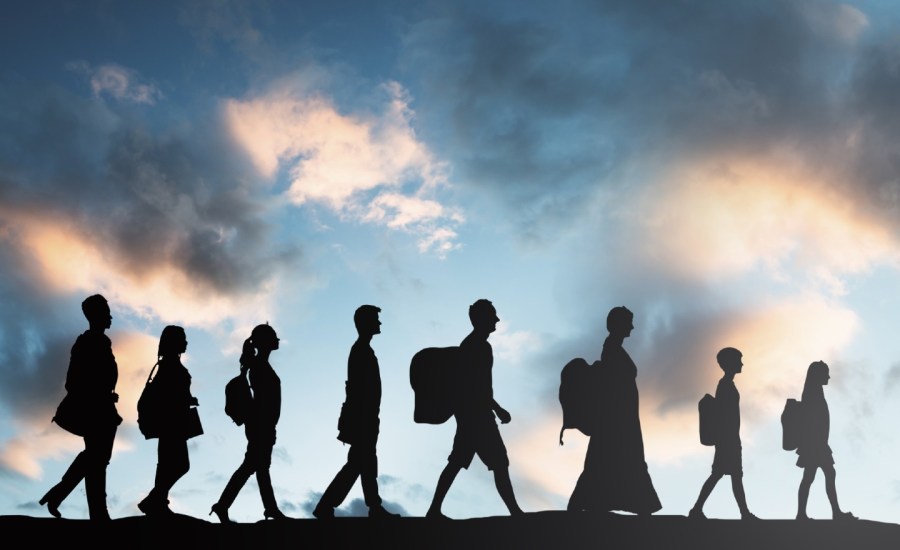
727,460
475,410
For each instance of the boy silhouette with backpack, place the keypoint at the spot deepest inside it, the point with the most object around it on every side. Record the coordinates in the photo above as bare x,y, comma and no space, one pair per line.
727,460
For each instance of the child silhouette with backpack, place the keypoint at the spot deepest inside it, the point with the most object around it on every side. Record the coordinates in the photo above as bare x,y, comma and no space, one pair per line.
727,460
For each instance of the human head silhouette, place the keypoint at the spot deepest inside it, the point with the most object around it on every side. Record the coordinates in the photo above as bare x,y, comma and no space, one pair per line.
366,320
264,338
620,321
96,311
172,341
729,360
817,373
483,316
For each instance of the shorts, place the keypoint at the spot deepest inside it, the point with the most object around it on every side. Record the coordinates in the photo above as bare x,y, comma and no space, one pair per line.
481,437
727,460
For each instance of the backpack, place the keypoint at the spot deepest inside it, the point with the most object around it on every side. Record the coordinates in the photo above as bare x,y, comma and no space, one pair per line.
579,396
791,424
148,407
238,398
709,420
433,377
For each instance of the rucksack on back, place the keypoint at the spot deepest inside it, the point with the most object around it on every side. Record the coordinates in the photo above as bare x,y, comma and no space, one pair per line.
238,398
433,375
791,424
579,396
149,407
709,420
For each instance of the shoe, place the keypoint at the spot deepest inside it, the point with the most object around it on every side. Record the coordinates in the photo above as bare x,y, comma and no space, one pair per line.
221,512
803,517
275,514
153,507
323,512
748,516
841,516
696,513
52,505
380,512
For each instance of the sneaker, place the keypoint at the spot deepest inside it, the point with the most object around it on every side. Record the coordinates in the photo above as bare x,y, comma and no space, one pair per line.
380,512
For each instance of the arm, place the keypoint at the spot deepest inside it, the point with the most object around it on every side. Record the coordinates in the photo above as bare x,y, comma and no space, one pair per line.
501,413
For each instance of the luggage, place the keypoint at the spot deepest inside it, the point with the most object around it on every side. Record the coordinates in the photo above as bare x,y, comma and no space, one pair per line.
579,396
709,420
433,375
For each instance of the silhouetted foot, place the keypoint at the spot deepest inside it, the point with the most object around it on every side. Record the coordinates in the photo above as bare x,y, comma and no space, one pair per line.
221,512
379,512
154,507
803,517
696,513
323,512
274,513
842,516
52,505
436,514
748,516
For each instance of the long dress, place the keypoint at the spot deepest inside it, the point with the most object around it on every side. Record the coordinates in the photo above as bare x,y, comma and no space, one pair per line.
615,475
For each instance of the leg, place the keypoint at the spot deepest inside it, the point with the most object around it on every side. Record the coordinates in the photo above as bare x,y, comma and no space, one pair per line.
737,487
337,490
263,462
98,447
172,464
809,474
504,487
73,476
705,491
236,483
831,491
443,486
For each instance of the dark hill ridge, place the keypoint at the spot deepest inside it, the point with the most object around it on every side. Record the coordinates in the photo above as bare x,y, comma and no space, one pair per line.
552,529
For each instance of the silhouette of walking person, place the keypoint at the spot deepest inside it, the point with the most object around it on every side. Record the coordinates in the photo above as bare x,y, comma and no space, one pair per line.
259,426
813,450
359,422
615,475
476,427
727,460
90,386
173,384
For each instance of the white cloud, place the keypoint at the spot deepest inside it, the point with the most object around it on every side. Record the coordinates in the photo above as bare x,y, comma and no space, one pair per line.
365,167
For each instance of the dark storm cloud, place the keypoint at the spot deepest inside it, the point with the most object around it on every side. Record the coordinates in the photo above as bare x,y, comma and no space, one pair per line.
548,104
152,199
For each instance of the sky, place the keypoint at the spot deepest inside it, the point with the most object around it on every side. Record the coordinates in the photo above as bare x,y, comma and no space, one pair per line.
729,171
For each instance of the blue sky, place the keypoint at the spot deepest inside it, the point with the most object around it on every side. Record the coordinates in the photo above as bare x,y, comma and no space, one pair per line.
728,171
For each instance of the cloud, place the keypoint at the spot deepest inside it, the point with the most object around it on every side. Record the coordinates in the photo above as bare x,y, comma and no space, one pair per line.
167,218
552,111
366,167
354,508
118,82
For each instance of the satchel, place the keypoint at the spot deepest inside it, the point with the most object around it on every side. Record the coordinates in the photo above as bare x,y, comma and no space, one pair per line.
193,427
70,416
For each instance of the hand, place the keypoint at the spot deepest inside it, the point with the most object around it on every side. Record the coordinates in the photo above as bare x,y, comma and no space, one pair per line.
503,415
115,397
194,402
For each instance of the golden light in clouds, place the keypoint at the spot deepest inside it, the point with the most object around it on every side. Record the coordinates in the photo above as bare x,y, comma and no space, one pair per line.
724,218
67,260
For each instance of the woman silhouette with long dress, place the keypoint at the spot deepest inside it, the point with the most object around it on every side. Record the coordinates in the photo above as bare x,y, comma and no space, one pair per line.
173,382
259,427
615,475
813,451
